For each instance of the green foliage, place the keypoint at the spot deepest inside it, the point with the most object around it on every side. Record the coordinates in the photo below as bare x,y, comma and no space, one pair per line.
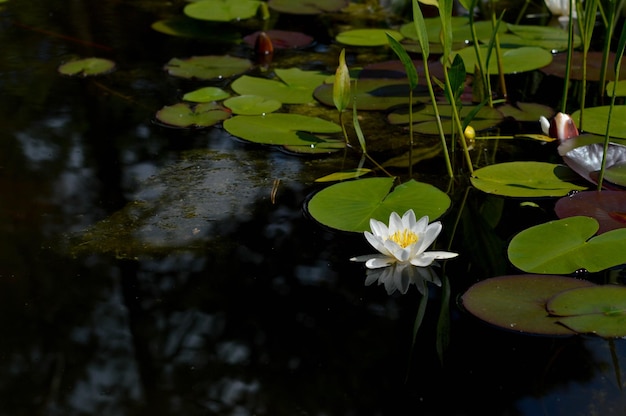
566,245
596,120
87,67
184,115
252,105
349,206
514,60
207,67
222,10
367,37
295,86
206,94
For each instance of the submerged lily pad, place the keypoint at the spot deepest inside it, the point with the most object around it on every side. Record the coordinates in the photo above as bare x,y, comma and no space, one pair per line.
367,37
599,310
207,67
87,67
295,86
252,105
222,10
183,115
518,302
307,6
206,94
348,206
607,207
281,129
566,245
514,60
523,179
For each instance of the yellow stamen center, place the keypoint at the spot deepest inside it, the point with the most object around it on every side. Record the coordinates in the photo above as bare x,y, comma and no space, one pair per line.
404,238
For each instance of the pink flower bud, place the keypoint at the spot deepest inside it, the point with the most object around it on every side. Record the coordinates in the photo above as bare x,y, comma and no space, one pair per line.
561,127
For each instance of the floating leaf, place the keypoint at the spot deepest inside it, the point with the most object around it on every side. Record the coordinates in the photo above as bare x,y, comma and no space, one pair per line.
282,39
206,94
594,67
461,29
395,70
607,207
296,86
425,121
596,120
547,37
207,67
529,112
518,302
418,154
564,246
600,310
191,28
523,179
620,89
349,205
222,10
343,175
367,37
87,67
307,6
514,60
252,105
326,147
280,129
587,162
184,115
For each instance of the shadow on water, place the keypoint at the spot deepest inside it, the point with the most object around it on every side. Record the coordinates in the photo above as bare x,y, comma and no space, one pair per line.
258,311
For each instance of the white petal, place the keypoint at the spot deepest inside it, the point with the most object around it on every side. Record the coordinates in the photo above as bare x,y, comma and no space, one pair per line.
378,262
408,219
402,254
431,233
379,229
422,261
440,255
545,125
377,243
395,223
365,257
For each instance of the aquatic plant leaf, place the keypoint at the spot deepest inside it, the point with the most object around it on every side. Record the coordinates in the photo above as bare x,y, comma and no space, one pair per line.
418,154
620,89
307,6
594,67
296,86
461,29
599,310
404,57
222,10
374,94
252,105
607,207
282,39
526,111
367,37
348,206
523,179
395,70
326,147
206,94
514,60
87,67
547,37
566,245
518,302
343,175
280,129
616,174
184,26
183,115
596,120
207,67
425,121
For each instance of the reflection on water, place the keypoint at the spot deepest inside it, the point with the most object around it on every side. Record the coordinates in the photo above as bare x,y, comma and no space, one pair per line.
265,315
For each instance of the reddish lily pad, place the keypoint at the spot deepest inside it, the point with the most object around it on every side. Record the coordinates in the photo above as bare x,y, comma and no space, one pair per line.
607,207
282,39
395,70
184,115
207,67
594,64
587,160
518,302
307,6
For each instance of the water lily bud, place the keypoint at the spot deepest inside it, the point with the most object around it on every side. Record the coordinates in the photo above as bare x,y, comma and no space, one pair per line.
341,87
264,49
470,133
561,127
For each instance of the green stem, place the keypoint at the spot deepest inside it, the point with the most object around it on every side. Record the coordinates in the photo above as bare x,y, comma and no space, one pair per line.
457,120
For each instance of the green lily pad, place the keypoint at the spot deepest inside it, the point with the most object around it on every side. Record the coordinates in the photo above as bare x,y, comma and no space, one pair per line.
87,67
348,206
518,302
546,37
374,94
529,112
325,147
206,94
600,310
344,175
295,86
594,66
307,6
207,67
367,37
616,174
566,245
514,60
523,179
607,207
222,10
461,29
187,27
425,121
183,115
620,89
280,129
252,105
596,120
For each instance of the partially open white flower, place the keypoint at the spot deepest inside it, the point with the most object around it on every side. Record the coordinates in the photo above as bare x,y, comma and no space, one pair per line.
404,241
561,127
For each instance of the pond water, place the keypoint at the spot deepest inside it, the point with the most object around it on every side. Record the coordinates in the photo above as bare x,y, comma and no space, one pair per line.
255,309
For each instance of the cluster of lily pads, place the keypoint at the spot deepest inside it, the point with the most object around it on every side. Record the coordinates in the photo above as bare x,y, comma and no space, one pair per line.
264,106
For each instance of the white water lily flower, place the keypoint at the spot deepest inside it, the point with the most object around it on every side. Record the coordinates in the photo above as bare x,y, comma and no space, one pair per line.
404,241
400,276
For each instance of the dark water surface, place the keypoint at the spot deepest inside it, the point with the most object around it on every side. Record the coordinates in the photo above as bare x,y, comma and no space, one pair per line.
259,312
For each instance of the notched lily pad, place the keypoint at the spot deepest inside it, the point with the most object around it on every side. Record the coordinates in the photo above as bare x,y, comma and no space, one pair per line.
523,179
526,112
518,302
87,67
206,94
599,310
294,87
547,37
184,115
252,105
307,6
207,67
514,60
222,10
